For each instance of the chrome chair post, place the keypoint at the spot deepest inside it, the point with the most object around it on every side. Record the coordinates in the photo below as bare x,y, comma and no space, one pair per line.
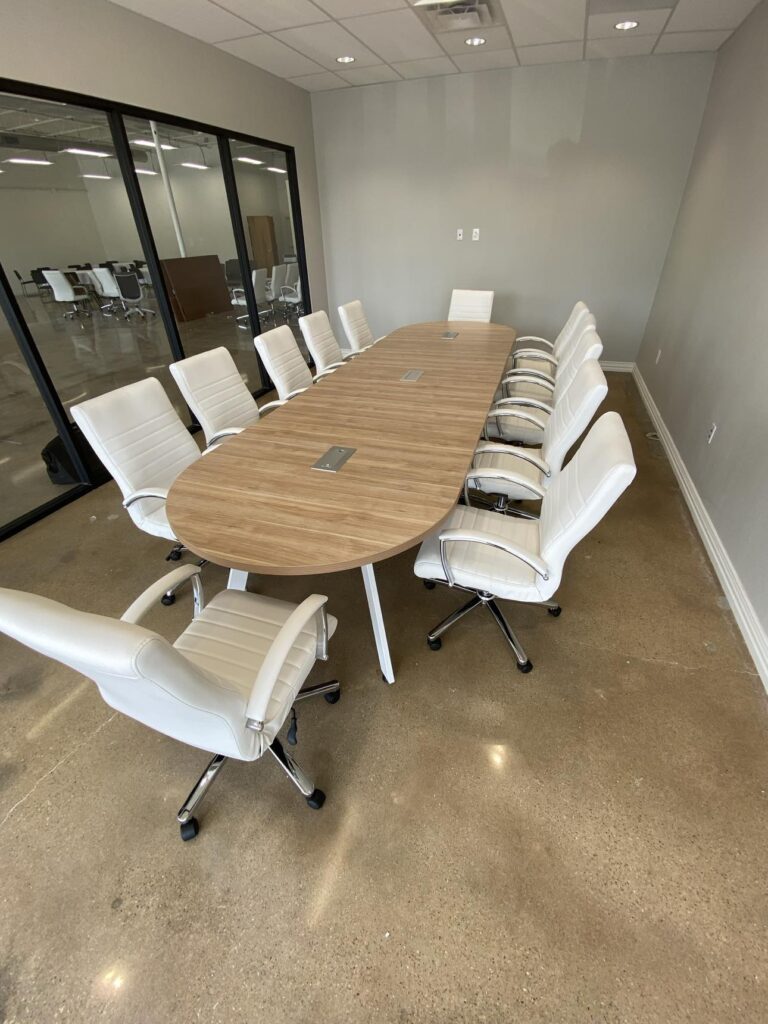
291,769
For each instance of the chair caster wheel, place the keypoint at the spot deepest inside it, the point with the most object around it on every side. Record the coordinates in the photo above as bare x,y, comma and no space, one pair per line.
430,584
168,599
333,697
554,612
434,645
526,667
316,799
291,736
189,829
174,556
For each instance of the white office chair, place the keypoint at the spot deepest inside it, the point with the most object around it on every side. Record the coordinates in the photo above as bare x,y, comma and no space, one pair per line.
132,295
291,274
321,342
105,287
64,291
283,361
259,281
276,282
142,443
494,556
290,299
524,474
522,416
527,358
471,305
355,324
226,685
214,390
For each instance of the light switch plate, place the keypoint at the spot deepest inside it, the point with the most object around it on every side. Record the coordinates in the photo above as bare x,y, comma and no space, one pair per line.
459,234
475,234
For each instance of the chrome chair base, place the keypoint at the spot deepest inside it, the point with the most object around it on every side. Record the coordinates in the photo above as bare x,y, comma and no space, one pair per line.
479,598
188,823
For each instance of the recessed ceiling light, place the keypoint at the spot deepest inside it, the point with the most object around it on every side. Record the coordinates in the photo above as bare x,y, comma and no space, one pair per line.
27,160
625,26
101,177
148,142
248,160
345,60
277,170
86,152
196,167
475,41
143,170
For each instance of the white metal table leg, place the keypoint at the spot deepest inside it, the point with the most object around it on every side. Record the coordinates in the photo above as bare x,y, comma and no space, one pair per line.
377,620
238,580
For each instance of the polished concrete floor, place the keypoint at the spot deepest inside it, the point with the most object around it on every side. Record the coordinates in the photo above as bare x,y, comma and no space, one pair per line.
583,844
89,356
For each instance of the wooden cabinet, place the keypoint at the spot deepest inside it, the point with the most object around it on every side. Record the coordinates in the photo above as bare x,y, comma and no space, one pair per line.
197,286
261,231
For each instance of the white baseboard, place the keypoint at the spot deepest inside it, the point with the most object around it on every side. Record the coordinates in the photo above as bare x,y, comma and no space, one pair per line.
614,367
752,630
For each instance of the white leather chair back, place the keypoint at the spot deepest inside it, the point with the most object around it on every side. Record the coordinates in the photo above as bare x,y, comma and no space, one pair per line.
291,273
355,325
138,436
320,340
214,390
259,278
471,305
277,281
577,320
60,286
585,490
137,671
589,346
283,360
107,285
573,413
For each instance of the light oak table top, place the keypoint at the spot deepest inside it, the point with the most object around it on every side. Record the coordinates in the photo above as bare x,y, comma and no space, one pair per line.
256,504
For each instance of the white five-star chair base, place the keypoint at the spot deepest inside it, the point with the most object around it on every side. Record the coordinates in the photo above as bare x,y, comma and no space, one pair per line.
227,684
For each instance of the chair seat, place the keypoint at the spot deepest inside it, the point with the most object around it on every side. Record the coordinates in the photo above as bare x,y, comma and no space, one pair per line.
519,431
480,567
238,302
499,460
230,639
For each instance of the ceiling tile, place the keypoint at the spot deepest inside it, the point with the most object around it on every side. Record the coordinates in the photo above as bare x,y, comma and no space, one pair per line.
612,6
552,53
394,35
196,18
324,43
650,23
349,8
532,22
486,61
319,83
691,42
495,39
620,46
369,76
272,15
270,54
691,15
426,68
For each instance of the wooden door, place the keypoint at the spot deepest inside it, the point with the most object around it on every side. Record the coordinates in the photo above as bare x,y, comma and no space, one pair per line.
263,242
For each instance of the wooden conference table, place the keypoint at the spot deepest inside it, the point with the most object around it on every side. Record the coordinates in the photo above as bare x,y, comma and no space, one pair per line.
255,504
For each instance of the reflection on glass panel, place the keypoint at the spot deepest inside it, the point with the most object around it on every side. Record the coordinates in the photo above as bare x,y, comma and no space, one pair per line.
183,188
265,205
25,429
70,247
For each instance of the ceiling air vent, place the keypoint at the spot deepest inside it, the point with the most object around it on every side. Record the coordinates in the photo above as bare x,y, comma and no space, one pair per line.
458,15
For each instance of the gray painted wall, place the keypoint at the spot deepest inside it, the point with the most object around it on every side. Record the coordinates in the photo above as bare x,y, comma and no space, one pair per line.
710,317
102,49
573,173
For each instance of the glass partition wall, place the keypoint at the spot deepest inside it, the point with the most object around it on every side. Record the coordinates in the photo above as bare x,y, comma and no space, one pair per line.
129,240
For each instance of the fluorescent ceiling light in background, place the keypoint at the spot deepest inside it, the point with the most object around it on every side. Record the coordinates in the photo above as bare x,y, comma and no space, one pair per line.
86,152
143,170
248,160
27,160
277,170
148,142
195,167
101,177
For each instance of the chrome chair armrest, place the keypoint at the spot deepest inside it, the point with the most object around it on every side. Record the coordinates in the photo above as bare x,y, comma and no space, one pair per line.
171,581
527,376
325,373
264,683
478,475
219,436
533,337
272,405
526,402
480,537
146,492
534,353
516,453
527,417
